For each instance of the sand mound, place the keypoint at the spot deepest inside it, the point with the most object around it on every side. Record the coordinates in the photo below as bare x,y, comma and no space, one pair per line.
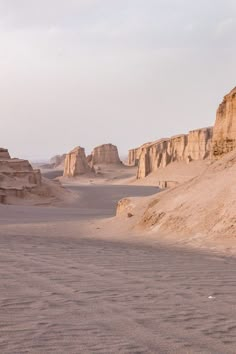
205,205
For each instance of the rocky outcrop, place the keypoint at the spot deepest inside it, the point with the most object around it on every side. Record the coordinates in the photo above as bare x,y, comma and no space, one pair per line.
224,135
58,161
17,178
4,154
104,155
187,147
199,144
76,163
134,155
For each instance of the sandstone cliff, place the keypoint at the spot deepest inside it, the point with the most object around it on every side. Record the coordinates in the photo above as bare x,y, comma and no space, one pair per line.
224,135
104,154
4,154
201,144
187,147
76,163
134,155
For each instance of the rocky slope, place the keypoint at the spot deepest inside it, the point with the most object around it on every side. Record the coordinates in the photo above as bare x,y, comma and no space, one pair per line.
76,163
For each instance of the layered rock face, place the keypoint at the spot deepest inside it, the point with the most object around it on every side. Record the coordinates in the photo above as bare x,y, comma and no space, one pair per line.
17,177
199,144
134,155
76,163
104,154
4,154
187,147
224,135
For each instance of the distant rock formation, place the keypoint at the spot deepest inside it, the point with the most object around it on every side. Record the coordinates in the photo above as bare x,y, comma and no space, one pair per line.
4,154
187,147
199,144
103,155
58,161
76,163
224,135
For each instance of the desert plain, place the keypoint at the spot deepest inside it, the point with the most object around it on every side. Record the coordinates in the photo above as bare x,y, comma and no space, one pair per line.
73,282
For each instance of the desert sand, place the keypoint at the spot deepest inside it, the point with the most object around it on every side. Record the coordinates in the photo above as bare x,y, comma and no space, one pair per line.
123,259
72,281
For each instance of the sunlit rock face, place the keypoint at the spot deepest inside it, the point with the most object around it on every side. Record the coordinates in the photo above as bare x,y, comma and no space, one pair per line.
186,147
76,163
134,155
200,144
224,134
104,154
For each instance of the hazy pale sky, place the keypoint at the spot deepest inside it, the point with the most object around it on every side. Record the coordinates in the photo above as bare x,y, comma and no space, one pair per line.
87,72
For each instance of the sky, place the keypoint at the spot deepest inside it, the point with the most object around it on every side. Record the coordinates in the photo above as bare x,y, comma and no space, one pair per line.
89,72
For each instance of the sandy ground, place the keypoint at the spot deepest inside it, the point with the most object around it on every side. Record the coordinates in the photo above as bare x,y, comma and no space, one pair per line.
108,174
177,172
71,285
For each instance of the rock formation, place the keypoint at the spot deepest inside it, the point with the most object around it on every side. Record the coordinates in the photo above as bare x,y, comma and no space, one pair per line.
58,161
76,163
187,147
199,144
224,135
17,177
134,155
103,155
4,154
20,183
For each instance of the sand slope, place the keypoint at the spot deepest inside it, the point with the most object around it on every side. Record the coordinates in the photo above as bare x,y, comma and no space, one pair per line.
71,285
203,206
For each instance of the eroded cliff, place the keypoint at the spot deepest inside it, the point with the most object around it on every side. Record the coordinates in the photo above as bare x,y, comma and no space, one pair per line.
76,163
104,155
187,147
224,135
